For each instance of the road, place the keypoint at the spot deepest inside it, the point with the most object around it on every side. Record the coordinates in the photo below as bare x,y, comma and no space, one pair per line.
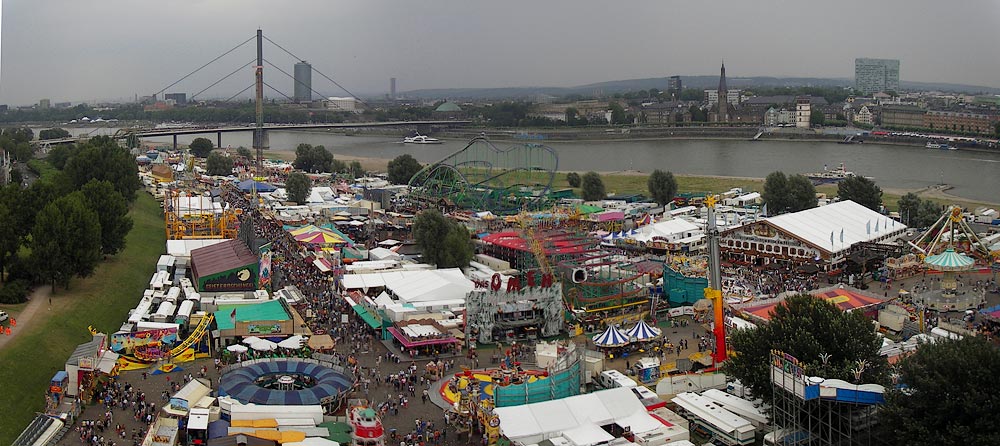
39,299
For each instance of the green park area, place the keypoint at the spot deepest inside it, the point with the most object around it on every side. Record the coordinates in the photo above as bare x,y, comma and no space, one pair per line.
101,300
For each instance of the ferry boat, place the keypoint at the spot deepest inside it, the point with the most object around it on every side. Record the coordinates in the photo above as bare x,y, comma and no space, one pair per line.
831,176
366,427
421,139
942,146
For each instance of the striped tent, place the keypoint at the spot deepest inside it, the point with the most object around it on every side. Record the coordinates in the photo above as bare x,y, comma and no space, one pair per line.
643,331
612,337
949,260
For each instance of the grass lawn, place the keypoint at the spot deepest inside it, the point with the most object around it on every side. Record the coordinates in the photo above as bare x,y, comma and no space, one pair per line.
43,168
101,300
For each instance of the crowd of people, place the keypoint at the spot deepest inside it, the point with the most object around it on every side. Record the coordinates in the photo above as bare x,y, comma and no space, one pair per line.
117,398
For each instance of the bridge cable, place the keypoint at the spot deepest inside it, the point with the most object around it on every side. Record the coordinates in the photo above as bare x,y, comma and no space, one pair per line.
207,64
314,69
298,81
278,91
223,78
241,92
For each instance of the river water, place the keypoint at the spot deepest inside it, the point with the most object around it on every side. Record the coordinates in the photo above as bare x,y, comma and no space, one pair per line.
974,175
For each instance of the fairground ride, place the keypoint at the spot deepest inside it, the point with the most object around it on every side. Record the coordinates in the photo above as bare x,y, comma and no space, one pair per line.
188,216
951,230
483,177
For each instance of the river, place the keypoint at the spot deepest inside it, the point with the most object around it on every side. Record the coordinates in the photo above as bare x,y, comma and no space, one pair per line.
972,174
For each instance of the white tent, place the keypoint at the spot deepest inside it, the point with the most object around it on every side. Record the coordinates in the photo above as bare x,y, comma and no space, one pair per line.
250,340
237,348
642,331
292,342
264,345
389,242
612,337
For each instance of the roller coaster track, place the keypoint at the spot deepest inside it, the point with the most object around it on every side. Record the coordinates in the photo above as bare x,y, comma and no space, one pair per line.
195,336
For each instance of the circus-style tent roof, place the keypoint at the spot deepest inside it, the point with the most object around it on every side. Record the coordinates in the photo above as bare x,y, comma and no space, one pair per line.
612,337
643,331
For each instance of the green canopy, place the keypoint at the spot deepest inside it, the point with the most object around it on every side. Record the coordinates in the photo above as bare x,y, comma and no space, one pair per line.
588,209
949,260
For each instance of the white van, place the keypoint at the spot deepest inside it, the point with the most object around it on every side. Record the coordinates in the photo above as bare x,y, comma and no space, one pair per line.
610,379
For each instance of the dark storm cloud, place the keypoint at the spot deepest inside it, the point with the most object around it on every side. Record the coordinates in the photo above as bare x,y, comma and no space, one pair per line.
79,50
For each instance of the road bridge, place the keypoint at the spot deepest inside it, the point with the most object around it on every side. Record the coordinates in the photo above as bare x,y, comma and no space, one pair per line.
219,130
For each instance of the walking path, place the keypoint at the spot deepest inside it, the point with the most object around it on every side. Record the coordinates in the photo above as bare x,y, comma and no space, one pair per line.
38,299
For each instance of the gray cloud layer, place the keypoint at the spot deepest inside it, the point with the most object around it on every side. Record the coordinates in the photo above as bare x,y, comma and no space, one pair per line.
79,50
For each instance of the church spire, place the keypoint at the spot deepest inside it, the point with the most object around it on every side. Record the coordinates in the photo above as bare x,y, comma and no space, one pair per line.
723,96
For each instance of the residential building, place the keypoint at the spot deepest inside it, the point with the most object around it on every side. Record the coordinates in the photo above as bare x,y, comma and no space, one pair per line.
303,82
666,112
44,104
803,111
733,97
876,75
864,116
960,121
902,116
178,98
675,87
783,117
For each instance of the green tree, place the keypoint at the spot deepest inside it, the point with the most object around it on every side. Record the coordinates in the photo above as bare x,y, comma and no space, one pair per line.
949,396
55,133
355,169
10,237
817,117
22,151
66,240
776,193
402,169
20,134
315,159
810,329
103,160
112,213
928,214
245,152
573,179
298,187
593,187
662,186
219,164
862,191
802,193
201,147
909,207
59,154
617,114
442,242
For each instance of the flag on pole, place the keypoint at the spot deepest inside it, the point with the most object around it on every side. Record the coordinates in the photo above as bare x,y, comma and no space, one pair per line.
232,316
764,212
876,225
868,227
841,235
831,238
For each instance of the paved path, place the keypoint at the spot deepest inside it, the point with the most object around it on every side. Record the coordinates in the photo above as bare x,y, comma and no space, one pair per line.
39,299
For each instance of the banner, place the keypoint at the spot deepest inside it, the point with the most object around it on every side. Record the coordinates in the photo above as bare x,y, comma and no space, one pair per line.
127,343
264,277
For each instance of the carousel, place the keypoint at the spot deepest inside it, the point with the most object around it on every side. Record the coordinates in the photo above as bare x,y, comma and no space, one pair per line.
940,246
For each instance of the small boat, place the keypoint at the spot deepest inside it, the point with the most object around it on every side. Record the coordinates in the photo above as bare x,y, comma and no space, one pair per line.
831,176
366,426
932,145
421,139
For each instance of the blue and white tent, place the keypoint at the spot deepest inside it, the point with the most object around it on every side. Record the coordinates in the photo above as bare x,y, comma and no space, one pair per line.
643,331
612,337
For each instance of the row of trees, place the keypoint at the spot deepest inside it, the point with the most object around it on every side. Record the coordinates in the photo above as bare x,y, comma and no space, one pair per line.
67,220
947,387
662,186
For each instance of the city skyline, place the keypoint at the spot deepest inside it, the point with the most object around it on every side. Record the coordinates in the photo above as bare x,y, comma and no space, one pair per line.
123,52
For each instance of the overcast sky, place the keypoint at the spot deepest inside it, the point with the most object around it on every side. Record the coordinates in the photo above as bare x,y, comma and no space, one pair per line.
72,50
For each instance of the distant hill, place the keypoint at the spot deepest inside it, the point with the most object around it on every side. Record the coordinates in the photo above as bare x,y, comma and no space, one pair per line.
621,86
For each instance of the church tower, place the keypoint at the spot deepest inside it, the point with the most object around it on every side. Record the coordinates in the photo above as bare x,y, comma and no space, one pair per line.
723,97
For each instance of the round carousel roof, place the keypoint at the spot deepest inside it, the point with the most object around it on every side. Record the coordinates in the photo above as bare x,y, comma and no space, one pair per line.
949,260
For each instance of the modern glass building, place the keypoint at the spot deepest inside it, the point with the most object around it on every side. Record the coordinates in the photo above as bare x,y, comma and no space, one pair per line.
875,75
